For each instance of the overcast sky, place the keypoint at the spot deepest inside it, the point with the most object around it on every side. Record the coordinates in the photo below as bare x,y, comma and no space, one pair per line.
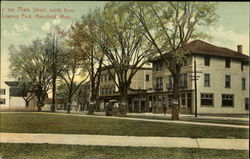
231,29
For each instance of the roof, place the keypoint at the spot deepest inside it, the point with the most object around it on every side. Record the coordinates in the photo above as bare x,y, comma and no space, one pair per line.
17,92
131,66
203,48
12,83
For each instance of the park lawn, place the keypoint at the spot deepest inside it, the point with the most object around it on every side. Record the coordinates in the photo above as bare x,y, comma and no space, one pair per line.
69,124
48,151
217,121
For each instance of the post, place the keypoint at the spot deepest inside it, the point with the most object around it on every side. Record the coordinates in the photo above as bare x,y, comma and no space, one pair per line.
195,87
54,60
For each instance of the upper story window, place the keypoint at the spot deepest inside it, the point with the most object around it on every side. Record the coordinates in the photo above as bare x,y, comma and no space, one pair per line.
111,76
227,81
2,101
183,80
243,84
2,91
227,100
207,60
170,82
206,80
147,77
227,62
158,66
159,83
242,66
185,62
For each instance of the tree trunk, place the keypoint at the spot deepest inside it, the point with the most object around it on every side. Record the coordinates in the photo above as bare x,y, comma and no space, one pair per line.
69,105
93,95
92,105
53,105
39,105
27,103
123,101
175,108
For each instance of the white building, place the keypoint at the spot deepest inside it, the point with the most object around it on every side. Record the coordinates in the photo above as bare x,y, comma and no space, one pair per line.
11,97
4,96
222,85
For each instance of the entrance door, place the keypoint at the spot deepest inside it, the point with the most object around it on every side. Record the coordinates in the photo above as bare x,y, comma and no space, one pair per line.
143,106
136,106
189,102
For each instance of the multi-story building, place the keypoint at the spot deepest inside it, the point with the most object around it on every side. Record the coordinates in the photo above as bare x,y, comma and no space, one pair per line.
137,94
222,85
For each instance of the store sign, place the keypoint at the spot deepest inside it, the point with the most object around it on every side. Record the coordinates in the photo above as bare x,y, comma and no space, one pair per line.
175,102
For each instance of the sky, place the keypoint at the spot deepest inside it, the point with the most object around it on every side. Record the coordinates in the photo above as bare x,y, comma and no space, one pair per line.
231,29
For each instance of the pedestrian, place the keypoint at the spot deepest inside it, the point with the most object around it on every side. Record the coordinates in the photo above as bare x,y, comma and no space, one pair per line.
164,109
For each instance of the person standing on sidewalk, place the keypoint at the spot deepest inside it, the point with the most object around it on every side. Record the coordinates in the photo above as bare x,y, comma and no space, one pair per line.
164,108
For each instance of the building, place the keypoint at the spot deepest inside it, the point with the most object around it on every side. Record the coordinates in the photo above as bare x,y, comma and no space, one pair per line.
4,96
222,85
137,94
12,97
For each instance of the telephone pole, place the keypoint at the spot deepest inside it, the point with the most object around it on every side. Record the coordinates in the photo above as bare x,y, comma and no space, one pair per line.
195,78
195,87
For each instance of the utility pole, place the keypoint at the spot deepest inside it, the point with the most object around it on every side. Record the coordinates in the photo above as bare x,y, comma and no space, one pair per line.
195,78
195,87
54,66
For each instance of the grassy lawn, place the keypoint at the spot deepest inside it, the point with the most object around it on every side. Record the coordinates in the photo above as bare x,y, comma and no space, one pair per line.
67,124
47,151
218,121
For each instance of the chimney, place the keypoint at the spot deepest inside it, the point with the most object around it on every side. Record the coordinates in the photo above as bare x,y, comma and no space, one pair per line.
239,48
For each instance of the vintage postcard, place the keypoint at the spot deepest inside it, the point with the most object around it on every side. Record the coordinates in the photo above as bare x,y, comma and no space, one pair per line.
124,80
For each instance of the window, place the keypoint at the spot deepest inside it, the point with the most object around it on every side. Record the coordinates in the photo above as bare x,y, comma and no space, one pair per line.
2,91
105,77
147,77
206,60
102,78
183,80
227,62
206,80
170,98
185,62
183,99
207,99
158,66
227,100
111,90
102,91
170,82
227,81
243,84
2,101
159,83
247,102
110,77
242,65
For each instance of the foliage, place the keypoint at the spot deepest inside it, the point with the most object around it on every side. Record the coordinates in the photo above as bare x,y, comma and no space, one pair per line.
121,40
32,64
169,26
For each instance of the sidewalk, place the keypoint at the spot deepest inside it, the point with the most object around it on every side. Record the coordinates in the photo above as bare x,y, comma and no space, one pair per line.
107,140
161,121
193,116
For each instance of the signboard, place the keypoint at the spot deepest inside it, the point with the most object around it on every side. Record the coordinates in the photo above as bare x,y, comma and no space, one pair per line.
175,102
